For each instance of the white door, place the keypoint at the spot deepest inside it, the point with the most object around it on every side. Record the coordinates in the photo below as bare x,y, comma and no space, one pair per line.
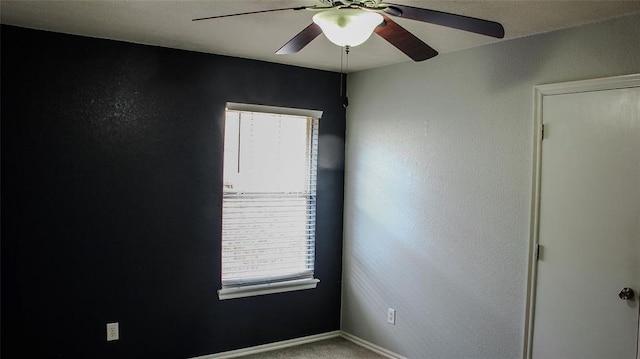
588,225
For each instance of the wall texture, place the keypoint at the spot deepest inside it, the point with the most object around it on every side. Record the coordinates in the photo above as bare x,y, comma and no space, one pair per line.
438,182
111,199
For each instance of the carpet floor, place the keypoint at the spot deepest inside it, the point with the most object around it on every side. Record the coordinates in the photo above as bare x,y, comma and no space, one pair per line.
334,348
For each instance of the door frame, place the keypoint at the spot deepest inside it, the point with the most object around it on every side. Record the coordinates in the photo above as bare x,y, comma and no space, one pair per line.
540,91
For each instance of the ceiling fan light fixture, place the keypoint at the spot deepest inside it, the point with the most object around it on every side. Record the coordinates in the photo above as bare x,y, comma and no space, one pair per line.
347,27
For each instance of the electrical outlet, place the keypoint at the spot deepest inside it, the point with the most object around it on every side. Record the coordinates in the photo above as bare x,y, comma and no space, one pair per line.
391,316
113,331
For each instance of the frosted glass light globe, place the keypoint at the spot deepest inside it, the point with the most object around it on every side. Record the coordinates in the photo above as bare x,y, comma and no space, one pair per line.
347,27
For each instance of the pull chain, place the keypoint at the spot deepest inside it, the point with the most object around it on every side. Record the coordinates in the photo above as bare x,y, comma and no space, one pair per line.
343,75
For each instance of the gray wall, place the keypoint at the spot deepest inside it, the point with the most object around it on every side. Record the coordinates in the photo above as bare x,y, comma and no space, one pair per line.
438,182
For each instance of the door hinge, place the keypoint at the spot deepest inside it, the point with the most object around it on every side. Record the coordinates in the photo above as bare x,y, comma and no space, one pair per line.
537,253
542,132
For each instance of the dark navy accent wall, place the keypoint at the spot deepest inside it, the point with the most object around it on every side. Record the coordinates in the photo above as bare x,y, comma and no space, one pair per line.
111,199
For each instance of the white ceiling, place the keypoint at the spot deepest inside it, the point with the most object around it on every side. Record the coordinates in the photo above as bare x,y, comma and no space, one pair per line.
258,36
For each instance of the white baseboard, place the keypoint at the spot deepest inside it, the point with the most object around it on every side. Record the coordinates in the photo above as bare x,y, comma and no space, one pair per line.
299,341
271,346
374,348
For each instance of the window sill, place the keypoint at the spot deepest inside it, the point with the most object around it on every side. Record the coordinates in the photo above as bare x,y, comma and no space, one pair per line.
269,288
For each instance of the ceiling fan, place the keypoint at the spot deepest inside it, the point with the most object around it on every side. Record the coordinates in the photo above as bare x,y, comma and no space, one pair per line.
349,23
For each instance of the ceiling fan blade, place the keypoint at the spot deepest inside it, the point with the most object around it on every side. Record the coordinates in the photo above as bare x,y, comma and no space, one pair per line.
255,12
461,22
301,40
405,41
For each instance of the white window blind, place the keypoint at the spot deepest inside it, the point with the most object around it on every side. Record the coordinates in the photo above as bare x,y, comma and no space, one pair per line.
269,198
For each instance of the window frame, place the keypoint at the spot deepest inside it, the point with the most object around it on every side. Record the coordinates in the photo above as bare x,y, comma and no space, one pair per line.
247,290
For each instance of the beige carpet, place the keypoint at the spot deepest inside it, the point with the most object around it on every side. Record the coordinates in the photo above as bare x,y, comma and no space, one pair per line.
334,348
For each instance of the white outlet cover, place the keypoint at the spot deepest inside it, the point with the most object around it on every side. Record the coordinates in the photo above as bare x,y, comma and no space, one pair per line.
391,316
113,331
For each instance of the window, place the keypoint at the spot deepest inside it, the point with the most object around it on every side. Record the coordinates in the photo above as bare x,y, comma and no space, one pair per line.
269,200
